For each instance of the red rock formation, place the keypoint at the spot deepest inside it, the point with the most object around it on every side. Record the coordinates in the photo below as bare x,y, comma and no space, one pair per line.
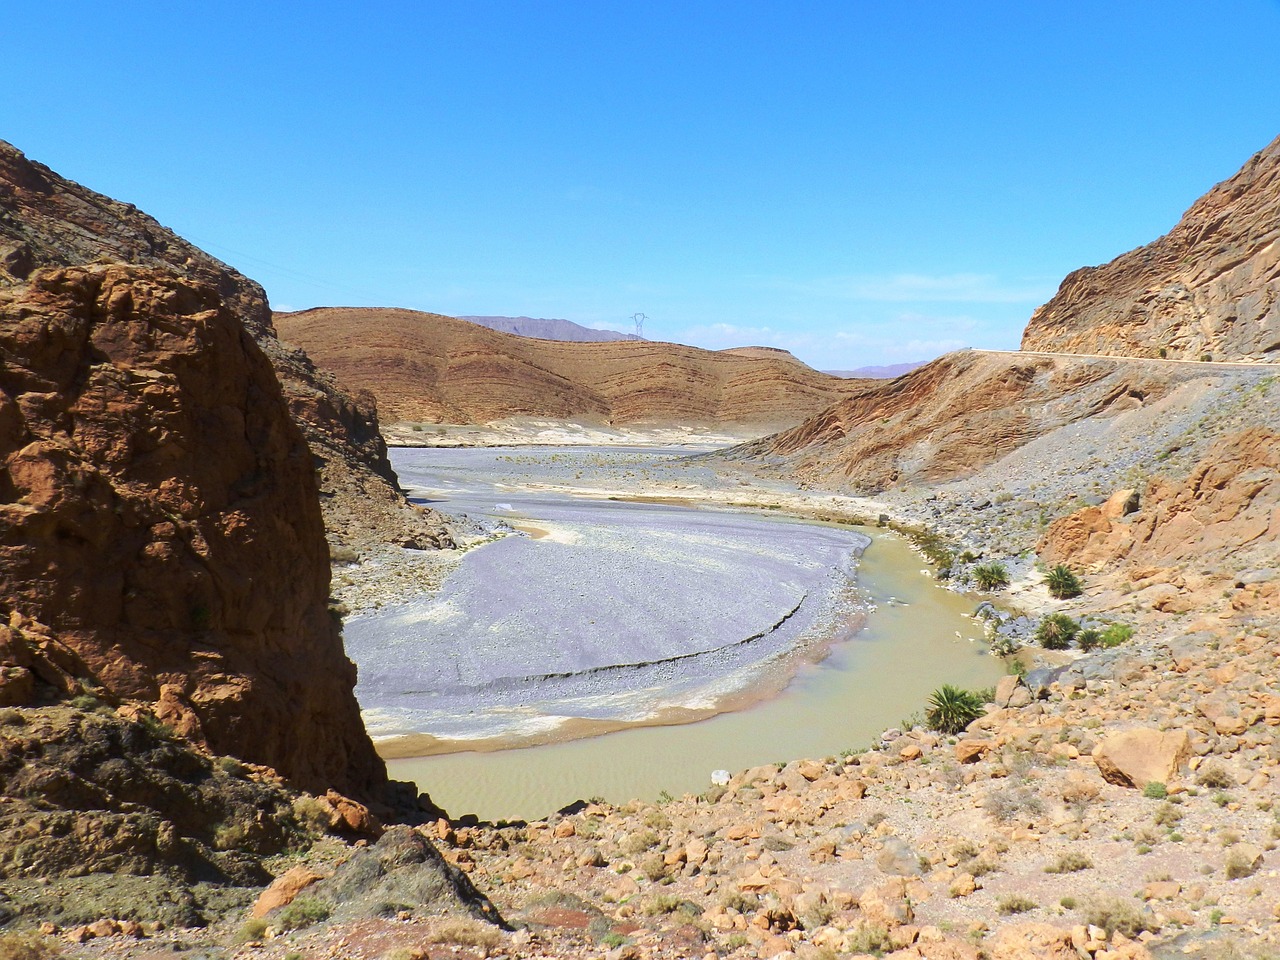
1209,286
47,220
160,534
1223,517
429,368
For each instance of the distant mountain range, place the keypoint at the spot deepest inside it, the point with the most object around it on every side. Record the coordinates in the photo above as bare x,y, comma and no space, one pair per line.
541,329
877,373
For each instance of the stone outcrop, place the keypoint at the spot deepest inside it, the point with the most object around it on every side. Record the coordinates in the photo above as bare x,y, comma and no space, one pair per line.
47,220
423,367
160,534
1228,507
956,415
1211,286
1135,758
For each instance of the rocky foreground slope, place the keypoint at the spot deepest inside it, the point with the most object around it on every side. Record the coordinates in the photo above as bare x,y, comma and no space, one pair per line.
47,220
428,368
1210,287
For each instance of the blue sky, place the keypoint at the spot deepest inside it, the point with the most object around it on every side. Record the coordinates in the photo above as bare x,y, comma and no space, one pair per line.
858,182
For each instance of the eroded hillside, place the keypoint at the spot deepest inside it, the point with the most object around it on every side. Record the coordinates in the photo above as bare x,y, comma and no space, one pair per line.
428,368
1209,287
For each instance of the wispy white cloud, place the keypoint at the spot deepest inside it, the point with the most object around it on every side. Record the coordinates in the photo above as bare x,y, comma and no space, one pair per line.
918,288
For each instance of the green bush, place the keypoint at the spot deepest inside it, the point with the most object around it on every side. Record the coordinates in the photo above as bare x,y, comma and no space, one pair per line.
302,913
991,576
1062,583
1056,631
1155,790
1089,639
951,709
1116,634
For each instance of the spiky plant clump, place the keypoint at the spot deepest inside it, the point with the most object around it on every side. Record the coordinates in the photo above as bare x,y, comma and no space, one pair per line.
1089,639
1056,631
991,576
951,709
1062,583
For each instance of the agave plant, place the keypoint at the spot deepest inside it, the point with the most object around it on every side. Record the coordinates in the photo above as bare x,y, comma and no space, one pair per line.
1062,583
991,576
951,709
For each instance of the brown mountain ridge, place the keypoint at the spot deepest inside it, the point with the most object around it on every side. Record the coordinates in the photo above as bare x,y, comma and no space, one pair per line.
1211,286
424,367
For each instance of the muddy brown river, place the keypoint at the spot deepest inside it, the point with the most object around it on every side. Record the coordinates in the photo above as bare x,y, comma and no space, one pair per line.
883,633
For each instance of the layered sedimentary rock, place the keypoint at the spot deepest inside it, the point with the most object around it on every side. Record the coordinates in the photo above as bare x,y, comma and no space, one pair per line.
47,220
1211,286
424,367
955,416
161,540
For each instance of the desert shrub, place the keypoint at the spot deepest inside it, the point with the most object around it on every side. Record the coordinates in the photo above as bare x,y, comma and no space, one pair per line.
1004,646
1167,815
1014,804
662,903
1239,865
1089,639
737,900
653,868
951,709
1215,777
231,836
1056,631
1062,583
1070,863
10,717
870,938
639,842
1014,903
255,928
1155,790
991,576
26,946
302,913
1116,634
313,816
1116,914
465,932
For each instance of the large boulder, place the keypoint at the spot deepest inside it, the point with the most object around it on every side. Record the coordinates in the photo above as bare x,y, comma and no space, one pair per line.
1135,758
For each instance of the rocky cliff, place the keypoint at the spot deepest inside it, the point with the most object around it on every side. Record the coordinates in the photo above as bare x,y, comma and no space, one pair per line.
428,368
47,220
1216,527
160,535
956,415
1211,286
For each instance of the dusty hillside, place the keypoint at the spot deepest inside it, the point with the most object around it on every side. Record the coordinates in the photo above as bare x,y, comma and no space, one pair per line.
957,415
428,368
48,220
1209,286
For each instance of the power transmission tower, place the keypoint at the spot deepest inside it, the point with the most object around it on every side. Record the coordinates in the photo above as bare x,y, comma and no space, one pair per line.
639,319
